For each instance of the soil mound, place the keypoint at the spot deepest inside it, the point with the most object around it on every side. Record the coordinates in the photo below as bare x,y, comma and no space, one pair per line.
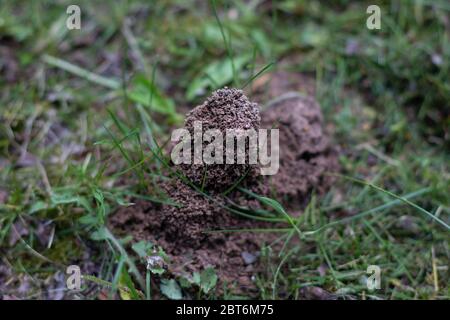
225,109
305,150
186,231
184,234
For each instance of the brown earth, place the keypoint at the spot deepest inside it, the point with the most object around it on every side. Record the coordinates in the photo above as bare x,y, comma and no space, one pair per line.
184,232
305,149
225,109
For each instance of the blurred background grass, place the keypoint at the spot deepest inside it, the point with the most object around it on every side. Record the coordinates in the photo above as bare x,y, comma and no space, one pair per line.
385,93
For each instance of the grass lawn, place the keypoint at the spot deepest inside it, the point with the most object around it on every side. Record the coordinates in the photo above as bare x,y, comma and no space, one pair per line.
80,111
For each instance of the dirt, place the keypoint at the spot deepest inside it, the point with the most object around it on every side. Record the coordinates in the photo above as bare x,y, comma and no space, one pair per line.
224,109
306,152
186,232
181,232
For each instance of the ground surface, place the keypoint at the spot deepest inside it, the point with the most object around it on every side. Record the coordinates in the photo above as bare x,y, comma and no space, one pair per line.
75,146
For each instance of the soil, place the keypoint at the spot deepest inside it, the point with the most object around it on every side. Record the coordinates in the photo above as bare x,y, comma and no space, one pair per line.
184,232
224,109
181,233
306,152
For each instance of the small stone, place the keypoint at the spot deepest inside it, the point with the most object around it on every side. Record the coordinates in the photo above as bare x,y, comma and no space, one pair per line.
248,257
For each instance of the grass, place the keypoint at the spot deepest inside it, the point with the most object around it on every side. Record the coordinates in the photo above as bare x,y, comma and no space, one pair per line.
80,111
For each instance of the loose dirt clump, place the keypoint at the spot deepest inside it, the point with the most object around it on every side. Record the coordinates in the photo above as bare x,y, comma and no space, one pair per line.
225,109
305,150
184,234
185,223
188,231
